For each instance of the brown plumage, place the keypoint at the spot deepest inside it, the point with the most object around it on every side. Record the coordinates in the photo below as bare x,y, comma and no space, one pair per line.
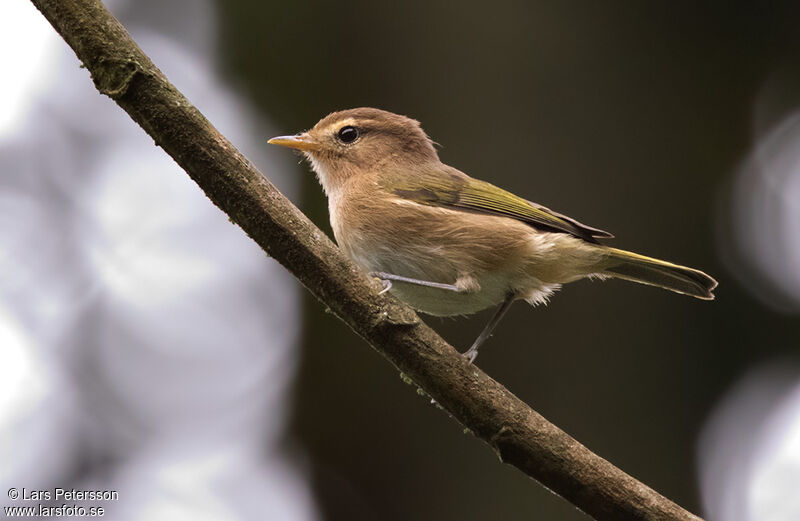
398,211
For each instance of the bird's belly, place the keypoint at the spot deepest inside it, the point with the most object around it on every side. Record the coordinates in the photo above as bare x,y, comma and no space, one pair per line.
489,257
433,266
441,302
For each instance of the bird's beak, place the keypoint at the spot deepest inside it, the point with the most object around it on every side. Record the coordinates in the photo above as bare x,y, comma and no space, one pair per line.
299,141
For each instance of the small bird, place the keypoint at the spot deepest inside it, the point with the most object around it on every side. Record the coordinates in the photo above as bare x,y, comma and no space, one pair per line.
446,243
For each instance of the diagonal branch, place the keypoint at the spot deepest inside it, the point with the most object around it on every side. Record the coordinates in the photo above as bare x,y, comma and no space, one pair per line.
519,435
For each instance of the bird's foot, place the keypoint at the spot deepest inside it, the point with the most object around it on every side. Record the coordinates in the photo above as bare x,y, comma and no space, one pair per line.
387,285
470,354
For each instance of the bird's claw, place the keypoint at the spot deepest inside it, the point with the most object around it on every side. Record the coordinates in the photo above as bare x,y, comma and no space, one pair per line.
470,355
387,285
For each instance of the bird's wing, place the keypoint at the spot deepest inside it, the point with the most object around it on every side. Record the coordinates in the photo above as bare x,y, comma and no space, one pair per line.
448,187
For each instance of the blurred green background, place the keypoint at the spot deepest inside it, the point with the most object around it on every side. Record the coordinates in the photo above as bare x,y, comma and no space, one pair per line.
630,116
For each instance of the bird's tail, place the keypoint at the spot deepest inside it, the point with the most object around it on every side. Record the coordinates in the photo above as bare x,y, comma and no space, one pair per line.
626,265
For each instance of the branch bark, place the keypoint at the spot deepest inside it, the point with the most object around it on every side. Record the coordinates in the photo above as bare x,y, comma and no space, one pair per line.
520,436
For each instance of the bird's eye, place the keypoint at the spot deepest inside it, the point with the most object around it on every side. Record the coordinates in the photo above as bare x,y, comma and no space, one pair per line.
348,134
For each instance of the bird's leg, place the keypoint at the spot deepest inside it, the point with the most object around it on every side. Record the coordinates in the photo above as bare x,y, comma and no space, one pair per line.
472,353
388,278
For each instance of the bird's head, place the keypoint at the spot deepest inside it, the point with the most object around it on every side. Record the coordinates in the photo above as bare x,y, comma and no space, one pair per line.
361,141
